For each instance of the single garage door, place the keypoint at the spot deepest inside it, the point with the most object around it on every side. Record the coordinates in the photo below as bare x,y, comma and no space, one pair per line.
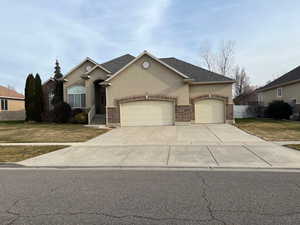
209,111
147,113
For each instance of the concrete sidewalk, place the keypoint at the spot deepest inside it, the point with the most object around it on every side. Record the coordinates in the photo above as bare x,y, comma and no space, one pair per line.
245,156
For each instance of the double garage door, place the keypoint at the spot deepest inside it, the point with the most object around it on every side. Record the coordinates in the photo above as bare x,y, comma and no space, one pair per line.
157,113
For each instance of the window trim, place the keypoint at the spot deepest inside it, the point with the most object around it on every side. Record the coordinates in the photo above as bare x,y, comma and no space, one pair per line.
280,88
74,94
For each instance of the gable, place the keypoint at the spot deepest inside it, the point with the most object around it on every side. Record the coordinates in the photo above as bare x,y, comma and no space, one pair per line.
156,80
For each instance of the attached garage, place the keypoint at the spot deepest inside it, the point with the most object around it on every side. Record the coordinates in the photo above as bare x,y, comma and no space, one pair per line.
209,111
147,113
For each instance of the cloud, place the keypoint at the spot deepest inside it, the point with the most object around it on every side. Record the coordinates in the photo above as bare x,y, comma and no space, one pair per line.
35,33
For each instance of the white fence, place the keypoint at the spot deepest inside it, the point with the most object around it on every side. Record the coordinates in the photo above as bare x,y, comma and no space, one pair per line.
241,111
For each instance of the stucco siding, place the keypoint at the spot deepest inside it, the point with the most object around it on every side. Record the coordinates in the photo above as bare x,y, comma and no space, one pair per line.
156,80
75,79
97,74
289,92
212,89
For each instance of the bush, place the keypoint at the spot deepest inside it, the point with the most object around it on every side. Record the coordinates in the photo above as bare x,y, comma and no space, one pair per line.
279,110
81,118
62,112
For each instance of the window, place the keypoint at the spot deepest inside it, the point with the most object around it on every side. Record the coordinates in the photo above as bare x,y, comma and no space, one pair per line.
76,96
4,105
279,92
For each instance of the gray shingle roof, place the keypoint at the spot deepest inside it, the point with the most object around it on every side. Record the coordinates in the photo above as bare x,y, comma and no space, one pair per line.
117,63
197,73
288,77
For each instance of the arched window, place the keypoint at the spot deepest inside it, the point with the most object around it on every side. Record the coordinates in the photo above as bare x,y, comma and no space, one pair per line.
76,96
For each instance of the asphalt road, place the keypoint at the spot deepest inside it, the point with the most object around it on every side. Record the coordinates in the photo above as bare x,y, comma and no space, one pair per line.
74,197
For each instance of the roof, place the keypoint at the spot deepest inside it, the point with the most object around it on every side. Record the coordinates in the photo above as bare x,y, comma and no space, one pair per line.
154,58
116,64
292,76
9,93
198,74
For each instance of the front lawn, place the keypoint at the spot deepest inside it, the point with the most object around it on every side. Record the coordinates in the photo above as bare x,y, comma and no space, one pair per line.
271,130
294,146
18,131
19,153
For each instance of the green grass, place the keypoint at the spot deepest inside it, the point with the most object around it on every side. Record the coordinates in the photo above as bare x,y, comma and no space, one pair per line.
19,153
20,131
271,130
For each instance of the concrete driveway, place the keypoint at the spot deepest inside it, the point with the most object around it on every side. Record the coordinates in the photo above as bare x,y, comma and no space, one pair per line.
173,146
211,134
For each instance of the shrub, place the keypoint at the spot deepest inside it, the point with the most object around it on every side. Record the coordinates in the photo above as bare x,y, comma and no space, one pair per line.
62,112
81,118
279,110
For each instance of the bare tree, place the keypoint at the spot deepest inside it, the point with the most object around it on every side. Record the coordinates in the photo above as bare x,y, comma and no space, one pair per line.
242,84
221,61
226,57
207,57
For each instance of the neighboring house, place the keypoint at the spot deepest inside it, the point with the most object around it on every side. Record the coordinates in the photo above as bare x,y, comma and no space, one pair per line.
11,104
146,91
249,98
284,88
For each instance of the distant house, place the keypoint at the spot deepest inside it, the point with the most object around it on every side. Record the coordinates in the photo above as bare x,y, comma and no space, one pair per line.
11,104
286,88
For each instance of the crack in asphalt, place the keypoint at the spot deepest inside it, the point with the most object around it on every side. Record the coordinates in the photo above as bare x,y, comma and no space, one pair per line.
209,203
258,213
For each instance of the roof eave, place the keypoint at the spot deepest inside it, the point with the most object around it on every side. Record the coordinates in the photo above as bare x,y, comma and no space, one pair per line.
278,85
214,82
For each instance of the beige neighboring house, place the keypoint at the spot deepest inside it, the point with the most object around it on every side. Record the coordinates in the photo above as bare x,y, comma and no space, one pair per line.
11,104
149,91
284,88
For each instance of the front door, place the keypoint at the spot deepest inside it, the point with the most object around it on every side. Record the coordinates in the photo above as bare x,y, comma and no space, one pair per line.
100,99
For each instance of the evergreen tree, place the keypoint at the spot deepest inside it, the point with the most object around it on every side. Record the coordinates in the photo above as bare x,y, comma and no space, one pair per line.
38,99
30,97
27,95
57,73
58,90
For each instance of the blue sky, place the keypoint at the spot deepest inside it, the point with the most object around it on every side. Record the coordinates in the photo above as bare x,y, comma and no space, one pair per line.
35,33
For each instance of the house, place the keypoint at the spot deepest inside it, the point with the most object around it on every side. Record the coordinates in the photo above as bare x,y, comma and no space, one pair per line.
284,88
11,104
149,91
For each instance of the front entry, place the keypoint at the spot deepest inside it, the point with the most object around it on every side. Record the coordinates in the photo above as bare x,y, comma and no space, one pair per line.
100,97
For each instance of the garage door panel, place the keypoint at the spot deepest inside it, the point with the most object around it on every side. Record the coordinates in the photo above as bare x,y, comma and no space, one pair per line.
147,113
209,111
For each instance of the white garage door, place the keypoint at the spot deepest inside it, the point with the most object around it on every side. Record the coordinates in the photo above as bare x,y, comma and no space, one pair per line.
209,111
147,113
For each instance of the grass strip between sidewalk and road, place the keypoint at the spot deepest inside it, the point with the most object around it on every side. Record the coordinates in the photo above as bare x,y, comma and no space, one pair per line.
19,153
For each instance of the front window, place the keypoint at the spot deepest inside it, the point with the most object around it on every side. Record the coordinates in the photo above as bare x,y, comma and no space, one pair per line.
76,96
279,92
4,105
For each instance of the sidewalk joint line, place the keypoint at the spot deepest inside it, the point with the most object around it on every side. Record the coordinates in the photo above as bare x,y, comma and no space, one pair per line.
212,155
261,158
